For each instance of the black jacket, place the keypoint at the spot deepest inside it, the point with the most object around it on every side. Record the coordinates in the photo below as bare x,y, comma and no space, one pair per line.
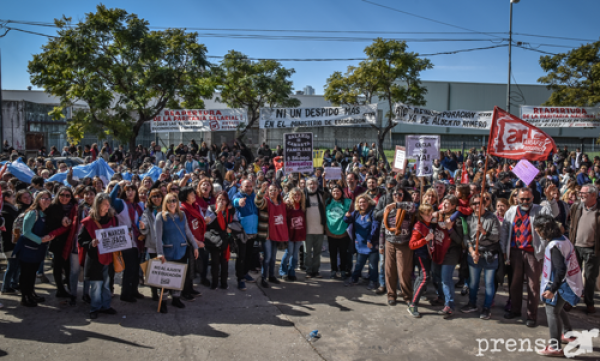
9,213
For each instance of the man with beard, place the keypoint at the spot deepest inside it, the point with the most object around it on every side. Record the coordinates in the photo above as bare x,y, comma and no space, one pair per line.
315,221
525,250
373,189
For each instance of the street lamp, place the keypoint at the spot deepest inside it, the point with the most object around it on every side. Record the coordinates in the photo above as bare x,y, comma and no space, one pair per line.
509,55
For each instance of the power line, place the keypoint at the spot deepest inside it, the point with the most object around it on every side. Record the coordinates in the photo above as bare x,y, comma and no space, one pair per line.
425,18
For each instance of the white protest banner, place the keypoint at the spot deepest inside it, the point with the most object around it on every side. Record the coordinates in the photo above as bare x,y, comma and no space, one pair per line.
399,159
408,114
166,275
298,152
198,120
113,239
333,173
318,117
424,149
568,117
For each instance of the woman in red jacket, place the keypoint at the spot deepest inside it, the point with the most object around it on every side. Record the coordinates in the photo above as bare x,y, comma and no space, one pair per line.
296,222
420,242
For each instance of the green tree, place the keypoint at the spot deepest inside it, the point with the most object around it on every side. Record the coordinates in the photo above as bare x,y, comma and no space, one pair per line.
125,73
573,77
389,73
253,85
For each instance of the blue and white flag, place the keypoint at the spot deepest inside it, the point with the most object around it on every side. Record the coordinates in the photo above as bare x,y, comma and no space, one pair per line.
153,173
98,168
20,170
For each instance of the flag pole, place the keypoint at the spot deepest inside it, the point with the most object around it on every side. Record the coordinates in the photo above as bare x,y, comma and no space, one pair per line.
481,204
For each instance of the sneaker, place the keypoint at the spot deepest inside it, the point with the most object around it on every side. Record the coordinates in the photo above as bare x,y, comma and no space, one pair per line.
564,339
549,351
413,312
446,312
292,278
468,308
62,294
264,283
9,291
308,275
274,280
249,279
241,285
510,315
530,323
464,290
108,311
486,314
195,293
372,285
381,290
93,315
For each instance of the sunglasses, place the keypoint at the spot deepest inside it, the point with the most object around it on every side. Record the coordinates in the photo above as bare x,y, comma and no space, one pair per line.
172,201
397,194
525,199
64,195
156,197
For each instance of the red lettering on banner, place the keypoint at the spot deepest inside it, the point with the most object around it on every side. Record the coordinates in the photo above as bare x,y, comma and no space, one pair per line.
219,112
536,110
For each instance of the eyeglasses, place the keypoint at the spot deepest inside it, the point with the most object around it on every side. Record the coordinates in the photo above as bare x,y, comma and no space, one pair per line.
156,197
170,201
64,195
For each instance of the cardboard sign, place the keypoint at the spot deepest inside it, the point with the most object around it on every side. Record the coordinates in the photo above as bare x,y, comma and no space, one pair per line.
168,275
113,239
525,171
399,160
298,152
424,149
333,173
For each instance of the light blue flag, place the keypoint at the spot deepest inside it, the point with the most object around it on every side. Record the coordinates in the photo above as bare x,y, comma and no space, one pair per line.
127,176
98,168
153,173
20,170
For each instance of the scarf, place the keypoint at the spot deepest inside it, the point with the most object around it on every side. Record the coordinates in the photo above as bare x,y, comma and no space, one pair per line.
223,220
195,219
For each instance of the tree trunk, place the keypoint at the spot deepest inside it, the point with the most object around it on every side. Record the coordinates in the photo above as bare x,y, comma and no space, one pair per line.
132,145
380,140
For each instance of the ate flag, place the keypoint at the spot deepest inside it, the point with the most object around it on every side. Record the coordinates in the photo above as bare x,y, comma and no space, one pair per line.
464,177
513,138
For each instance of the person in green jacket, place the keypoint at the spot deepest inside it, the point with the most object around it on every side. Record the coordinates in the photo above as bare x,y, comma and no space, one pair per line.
338,238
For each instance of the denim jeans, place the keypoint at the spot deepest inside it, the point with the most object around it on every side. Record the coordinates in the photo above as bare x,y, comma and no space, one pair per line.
489,274
445,285
100,292
11,276
558,320
382,269
270,249
361,259
289,261
74,279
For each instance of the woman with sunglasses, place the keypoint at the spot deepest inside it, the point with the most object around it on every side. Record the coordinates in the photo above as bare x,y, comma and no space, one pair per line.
62,214
31,248
197,224
397,220
124,199
173,236
147,228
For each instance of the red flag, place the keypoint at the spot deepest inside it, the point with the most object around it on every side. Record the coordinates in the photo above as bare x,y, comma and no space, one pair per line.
513,138
464,176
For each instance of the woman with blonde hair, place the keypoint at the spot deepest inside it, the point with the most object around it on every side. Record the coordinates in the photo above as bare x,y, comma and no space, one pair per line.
365,232
512,201
173,236
296,221
430,197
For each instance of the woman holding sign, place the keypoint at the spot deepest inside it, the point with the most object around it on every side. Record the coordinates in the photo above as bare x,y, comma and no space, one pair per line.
172,239
153,207
31,247
96,265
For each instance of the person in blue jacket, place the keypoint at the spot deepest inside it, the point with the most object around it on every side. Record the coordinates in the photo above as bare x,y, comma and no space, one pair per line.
365,232
582,177
243,202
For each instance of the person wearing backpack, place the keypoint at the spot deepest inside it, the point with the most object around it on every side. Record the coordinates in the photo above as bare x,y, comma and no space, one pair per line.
365,232
31,248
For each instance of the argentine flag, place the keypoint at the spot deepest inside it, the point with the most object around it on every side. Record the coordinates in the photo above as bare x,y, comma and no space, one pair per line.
98,168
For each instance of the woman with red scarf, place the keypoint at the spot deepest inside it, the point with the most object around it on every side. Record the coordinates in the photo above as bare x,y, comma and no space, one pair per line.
218,238
204,198
196,222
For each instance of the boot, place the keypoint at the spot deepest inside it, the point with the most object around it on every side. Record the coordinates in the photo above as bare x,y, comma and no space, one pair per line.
154,294
177,302
28,301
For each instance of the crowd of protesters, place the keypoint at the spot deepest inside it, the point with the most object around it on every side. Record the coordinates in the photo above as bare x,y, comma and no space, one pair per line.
411,232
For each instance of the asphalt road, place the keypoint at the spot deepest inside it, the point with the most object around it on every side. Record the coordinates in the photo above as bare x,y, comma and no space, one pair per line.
268,324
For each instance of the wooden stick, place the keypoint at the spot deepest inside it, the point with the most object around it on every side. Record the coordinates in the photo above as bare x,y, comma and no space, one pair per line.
162,290
422,186
481,204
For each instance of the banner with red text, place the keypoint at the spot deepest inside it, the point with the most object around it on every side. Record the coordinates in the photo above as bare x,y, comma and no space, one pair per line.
559,117
198,120
512,138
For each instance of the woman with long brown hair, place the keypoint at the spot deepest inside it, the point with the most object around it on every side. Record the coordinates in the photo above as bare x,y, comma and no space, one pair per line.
296,221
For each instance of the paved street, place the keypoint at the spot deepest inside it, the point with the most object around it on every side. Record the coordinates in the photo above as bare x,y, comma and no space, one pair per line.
270,324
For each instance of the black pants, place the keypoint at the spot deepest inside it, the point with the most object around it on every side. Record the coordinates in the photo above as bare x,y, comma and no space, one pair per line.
193,264
339,246
131,279
423,264
589,265
350,256
240,261
58,266
203,254
27,277
218,262
253,249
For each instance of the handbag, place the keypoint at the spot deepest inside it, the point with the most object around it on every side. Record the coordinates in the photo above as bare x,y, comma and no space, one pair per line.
118,262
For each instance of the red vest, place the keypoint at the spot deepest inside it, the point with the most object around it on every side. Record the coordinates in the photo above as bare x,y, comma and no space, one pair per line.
278,229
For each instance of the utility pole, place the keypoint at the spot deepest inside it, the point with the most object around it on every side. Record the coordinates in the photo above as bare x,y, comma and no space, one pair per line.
509,55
